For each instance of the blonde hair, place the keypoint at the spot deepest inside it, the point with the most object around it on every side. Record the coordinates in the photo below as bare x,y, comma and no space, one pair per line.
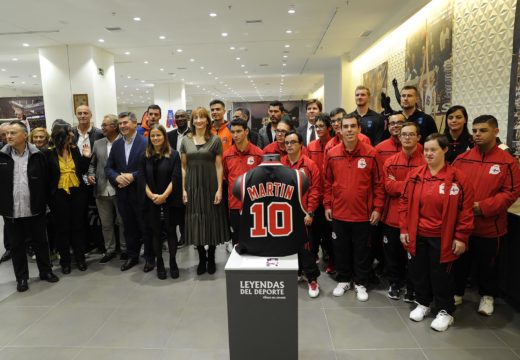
39,129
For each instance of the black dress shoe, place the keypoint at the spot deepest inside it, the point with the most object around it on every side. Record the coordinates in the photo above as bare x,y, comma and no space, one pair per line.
123,256
21,285
174,272
6,257
49,277
82,265
130,263
149,266
107,257
65,269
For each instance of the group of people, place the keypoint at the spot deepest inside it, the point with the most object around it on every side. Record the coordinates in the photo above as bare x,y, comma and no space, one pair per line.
425,205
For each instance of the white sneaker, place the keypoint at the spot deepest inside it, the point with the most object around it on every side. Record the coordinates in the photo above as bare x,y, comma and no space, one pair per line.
314,289
361,293
486,306
457,299
419,312
442,321
229,247
340,289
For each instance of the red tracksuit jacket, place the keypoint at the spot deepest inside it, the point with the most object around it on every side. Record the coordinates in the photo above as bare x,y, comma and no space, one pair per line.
317,151
353,182
312,198
336,140
457,211
237,163
398,165
495,177
388,148
274,148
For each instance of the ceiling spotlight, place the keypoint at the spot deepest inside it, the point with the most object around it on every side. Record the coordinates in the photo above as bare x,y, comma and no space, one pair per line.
246,72
25,45
137,18
237,58
284,64
224,34
101,40
179,50
242,65
291,11
285,56
210,73
128,77
162,37
35,76
231,48
212,14
287,46
14,59
161,69
216,78
3,70
125,87
127,52
202,67
146,61
192,60
288,31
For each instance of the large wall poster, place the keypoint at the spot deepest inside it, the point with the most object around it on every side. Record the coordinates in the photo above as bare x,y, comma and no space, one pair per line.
375,80
29,107
259,115
428,61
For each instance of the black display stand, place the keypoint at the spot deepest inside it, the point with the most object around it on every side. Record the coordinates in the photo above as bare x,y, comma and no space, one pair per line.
262,301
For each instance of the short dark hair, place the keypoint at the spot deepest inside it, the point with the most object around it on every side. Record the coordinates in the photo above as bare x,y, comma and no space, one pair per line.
411,123
325,119
130,115
244,111
20,124
411,87
441,139
314,101
154,107
352,115
337,111
277,103
217,101
289,123
489,119
298,135
239,122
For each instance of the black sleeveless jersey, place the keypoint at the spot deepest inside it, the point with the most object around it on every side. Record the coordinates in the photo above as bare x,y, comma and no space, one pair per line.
272,213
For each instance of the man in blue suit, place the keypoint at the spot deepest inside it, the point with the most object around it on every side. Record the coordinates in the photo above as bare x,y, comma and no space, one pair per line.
122,170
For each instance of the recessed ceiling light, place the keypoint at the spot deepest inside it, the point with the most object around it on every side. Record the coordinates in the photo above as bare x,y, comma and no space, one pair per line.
288,31
25,45
192,60
137,18
128,77
285,56
146,61
231,48
162,37
284,64
198,86
23,82
237,58
291,11
4,70
242,65
127,52
14,59
35,76
161,69
179,50
246,72
101,40
210,73
203,89
202,67
224,34
213,14
287,46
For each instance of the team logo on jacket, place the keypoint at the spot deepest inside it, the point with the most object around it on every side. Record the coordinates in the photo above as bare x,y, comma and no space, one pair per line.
334,235
250,160
441,189
494,170
361,164
454,189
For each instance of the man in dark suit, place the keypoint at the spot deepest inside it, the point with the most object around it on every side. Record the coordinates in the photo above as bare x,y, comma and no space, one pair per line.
308,130
104,192
122,170
266,134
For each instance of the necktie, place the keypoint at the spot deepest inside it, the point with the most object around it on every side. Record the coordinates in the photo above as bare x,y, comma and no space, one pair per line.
313,134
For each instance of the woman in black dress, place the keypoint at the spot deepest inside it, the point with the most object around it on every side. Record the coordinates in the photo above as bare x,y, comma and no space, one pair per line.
162,176
456,129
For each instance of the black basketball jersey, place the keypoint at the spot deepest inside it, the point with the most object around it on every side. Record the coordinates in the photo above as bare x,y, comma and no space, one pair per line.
272,213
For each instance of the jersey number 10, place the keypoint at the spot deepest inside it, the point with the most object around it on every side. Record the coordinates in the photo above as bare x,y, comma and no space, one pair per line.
279,220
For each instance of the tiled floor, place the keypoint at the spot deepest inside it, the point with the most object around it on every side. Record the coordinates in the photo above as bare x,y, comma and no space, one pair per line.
105,314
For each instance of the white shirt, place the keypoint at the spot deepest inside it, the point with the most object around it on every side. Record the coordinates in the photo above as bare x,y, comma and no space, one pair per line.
309,132
83,139
128,146
21,193
180,137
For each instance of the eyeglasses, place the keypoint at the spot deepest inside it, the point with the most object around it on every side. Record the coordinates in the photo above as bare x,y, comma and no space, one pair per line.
321,127
395,123
281,132
408,135
292,142
336,121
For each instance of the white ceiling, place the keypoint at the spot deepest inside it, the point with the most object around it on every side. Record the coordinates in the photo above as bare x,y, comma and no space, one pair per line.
321,31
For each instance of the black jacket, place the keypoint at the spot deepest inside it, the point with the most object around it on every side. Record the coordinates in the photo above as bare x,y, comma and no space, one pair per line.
167,170
426,124
81,163
173,136
373,126
37,173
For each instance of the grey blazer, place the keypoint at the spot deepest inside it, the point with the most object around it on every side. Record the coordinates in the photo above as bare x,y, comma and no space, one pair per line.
98,162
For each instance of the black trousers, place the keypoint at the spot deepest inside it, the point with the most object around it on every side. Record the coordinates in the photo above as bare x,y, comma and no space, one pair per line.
7,244
432,279
68,216
160,226
234,222
352,251
376,243
135,232
33,228
482,253
307,262
397,268
321,234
